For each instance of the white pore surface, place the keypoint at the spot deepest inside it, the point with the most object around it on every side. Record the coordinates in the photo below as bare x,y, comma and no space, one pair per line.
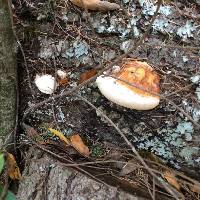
123,96
46,83
62,74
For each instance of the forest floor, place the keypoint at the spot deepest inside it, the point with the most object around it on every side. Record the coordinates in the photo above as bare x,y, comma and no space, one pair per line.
56,35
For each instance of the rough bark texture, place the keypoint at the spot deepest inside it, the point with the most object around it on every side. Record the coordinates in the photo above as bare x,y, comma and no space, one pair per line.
43,178
8,73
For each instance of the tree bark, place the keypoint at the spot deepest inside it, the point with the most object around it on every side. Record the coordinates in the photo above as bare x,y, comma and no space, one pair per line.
8,74
45,178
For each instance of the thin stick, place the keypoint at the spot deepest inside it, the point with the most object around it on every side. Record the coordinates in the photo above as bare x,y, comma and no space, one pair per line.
173,46
154,189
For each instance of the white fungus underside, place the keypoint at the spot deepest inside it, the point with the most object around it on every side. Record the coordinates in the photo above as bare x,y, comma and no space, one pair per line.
123,96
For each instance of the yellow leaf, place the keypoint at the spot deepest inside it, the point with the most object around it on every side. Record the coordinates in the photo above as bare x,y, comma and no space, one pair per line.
171,178
78,144
96,5
60,135
13,169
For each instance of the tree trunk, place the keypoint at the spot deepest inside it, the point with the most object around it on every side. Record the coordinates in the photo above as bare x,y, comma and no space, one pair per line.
8,74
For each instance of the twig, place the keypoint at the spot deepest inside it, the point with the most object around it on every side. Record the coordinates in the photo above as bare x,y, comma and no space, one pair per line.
173,46
131,146
185,13
154,189
179,90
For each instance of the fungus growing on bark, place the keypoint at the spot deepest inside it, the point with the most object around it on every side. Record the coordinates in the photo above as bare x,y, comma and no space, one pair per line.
134,85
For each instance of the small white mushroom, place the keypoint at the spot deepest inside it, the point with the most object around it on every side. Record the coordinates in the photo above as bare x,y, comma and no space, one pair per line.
61,74
46,83
137,73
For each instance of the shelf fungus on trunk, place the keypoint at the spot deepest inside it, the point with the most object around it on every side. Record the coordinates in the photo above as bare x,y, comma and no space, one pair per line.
134,85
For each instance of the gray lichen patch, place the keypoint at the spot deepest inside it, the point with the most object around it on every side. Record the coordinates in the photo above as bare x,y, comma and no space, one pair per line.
115,25
187,30
171,141
196,79
163,26
198,93
134,24
77,49
148,8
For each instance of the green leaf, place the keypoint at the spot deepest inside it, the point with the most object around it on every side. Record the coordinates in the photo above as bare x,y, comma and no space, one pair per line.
9,195
2,162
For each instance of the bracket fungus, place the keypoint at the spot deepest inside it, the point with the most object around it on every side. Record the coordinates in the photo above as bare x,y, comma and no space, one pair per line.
46,83
134,85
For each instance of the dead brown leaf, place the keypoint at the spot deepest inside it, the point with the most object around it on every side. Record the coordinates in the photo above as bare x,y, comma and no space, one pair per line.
88,74
13,169
63,82
78,144
96,5
129,167
171,178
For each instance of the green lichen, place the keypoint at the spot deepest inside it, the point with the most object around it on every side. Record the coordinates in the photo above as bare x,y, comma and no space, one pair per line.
188,152
172,143
185,128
